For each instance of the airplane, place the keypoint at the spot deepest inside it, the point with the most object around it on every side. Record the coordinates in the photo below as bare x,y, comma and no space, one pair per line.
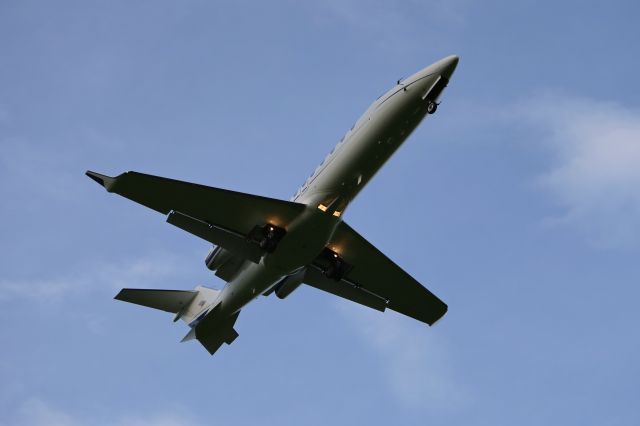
264,245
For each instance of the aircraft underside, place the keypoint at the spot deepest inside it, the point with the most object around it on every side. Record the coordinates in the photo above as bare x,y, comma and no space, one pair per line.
264,245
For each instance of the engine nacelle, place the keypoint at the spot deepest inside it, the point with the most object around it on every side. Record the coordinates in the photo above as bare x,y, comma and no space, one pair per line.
333,265
288,284
267,236
216,258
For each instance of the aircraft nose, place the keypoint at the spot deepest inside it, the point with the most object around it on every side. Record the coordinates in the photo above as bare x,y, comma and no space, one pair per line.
443,67
448,66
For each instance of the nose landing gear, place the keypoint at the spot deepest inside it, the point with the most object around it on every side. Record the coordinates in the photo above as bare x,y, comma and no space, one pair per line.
431,107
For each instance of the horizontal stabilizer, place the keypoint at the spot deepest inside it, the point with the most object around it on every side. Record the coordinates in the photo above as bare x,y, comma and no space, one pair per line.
165,300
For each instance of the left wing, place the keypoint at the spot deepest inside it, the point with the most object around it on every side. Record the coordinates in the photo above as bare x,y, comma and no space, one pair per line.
375,281
220,216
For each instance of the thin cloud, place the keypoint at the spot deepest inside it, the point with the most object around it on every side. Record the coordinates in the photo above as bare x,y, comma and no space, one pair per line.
29,171
36,412
415,359
152,270
391,24
595,172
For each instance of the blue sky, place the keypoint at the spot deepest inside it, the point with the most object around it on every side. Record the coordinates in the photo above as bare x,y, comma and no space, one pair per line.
517,204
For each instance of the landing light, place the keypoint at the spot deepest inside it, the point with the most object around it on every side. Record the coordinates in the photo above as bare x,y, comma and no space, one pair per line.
337,213
322,207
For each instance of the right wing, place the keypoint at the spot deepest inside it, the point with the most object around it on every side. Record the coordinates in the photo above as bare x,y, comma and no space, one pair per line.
375,281
217,215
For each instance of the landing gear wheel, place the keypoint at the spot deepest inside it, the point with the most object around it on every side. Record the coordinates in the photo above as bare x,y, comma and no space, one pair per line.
432,107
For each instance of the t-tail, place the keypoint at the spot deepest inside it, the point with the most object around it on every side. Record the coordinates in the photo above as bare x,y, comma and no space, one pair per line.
199,308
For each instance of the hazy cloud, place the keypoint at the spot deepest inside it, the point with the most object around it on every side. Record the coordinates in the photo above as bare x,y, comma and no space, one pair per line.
35,412
31,171
415,359
152,270
595,171
394,23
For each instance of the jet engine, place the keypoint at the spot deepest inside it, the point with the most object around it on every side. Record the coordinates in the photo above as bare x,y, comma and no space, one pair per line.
288,284
333,265
216,258
266,236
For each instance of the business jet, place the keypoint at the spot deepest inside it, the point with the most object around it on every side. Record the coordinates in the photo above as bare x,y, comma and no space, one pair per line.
264,245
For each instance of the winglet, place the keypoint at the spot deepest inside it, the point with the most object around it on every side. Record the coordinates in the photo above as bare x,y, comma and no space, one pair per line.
106,181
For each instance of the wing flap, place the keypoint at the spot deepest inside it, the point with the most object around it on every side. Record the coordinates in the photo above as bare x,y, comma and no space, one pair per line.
343,288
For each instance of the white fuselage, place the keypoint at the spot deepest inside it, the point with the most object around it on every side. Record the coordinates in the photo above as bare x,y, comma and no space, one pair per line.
344,172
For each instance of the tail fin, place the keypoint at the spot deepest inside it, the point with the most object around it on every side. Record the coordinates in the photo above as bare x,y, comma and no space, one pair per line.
214,330
194,307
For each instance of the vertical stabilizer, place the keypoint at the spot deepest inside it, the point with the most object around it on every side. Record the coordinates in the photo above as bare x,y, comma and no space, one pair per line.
213,331
198,307
205,298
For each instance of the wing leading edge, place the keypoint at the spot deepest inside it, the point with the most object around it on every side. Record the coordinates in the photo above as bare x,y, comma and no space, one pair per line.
376,281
